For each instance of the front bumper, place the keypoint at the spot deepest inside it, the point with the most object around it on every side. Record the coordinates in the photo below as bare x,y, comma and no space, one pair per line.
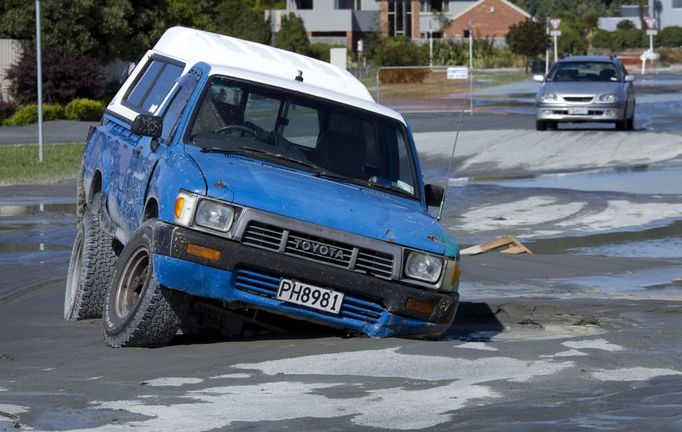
595,112
251,276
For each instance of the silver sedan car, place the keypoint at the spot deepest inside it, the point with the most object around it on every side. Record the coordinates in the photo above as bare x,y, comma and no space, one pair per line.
586,89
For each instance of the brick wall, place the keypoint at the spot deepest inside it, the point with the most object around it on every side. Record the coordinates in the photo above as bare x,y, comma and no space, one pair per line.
489,18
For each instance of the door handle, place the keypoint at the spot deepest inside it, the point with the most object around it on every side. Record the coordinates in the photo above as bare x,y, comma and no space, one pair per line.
137,152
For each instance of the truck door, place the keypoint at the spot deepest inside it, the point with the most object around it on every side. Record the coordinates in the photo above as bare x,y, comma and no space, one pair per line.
149,150
146,96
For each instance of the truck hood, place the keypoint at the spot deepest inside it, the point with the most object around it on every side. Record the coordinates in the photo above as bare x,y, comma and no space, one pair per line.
300,195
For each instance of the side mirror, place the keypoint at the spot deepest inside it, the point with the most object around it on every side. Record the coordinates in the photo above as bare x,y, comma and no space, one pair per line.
629,78
434,195
147,125
538,78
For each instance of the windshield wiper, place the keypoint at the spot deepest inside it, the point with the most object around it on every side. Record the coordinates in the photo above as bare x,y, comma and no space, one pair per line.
363,182
280,156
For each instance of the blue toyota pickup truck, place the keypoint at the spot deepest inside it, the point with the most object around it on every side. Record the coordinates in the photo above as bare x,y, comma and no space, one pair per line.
260,180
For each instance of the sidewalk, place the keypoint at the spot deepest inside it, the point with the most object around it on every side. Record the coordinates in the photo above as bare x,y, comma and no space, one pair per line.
56,131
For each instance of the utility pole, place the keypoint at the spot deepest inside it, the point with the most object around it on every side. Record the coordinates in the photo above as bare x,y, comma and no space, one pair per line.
430,46
471,69
39,76
547,50
555,34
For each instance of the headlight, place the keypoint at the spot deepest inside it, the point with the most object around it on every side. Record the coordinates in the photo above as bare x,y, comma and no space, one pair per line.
423,267
213,215
610,97
549,97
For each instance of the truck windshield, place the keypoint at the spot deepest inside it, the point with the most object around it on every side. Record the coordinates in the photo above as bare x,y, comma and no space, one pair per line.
331,140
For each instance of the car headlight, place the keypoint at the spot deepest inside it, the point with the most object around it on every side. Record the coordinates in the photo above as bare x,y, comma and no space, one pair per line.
609,97
214,215
549,97
423,267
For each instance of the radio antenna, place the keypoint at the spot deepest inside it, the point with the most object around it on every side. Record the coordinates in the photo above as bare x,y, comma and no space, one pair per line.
452,157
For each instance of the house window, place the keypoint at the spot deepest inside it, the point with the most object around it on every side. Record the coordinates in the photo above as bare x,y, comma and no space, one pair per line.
349,4
434,6
304,4
677,4
400,18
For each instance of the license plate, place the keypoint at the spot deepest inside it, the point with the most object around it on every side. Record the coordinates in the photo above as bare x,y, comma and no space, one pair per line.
577,111
311,296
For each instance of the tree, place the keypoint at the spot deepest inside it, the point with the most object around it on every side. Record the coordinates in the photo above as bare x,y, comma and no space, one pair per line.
243,20
527,38
89,27
292,35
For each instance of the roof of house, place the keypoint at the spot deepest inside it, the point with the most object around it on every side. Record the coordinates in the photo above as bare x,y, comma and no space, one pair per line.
257,62
479,2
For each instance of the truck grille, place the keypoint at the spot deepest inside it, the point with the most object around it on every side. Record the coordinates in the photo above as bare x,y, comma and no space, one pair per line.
266,285
313,248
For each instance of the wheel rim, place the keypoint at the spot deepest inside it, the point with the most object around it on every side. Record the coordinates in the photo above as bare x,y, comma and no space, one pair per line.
73,280
132,283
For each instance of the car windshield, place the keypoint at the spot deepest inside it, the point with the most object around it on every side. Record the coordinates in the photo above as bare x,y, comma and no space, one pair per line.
328,139
584,71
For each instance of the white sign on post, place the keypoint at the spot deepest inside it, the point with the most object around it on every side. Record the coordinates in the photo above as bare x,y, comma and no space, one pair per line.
555,32
555,22
652,32
458,72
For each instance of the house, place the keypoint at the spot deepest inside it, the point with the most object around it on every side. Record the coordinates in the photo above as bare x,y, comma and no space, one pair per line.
345,21
667,13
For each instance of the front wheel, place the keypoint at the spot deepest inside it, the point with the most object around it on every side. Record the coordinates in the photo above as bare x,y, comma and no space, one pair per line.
540,125
137,310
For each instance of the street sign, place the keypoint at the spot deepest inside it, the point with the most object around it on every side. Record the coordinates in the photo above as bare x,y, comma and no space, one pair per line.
555,23
458,72
650,22
652,32
555,33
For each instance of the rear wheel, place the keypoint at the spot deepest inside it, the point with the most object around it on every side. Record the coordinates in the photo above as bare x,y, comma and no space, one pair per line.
91,266
540,125
137,310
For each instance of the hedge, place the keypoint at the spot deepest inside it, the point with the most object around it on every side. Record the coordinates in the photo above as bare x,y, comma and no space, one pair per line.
84,109
29,114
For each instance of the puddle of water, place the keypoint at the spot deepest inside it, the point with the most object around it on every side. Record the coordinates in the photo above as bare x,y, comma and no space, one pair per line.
31,209
659,248
659,181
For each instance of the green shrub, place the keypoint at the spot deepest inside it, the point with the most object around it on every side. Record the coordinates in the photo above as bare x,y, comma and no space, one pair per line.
84,109
320,51
670,37
400,51
630,38
602,39
29,114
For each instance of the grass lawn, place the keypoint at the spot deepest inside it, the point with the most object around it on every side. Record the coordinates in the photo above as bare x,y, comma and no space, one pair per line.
19,163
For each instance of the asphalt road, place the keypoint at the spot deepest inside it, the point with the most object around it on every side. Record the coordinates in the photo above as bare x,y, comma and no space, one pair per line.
582,335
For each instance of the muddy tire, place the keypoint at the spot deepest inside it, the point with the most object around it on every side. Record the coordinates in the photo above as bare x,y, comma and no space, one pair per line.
137,310
91,267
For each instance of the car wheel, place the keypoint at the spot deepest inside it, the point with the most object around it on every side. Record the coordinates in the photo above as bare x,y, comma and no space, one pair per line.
137,310
90,268
621,124
630,124
540,125
552,125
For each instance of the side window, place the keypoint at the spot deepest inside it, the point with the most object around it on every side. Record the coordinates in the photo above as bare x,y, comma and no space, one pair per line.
261,111
177,106
153,86
303,126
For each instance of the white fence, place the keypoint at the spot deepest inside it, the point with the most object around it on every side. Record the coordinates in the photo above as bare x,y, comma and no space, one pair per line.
10,51
425,88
